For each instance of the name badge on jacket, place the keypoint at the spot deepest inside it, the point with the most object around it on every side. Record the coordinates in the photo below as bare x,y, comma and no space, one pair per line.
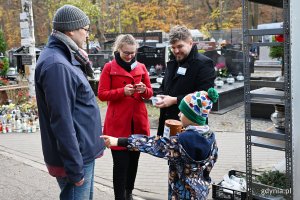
181,71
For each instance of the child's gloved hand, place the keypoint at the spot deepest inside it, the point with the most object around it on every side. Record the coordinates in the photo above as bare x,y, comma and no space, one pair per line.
110,141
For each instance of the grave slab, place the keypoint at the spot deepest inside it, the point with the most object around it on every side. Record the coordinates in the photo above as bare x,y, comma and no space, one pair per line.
229,95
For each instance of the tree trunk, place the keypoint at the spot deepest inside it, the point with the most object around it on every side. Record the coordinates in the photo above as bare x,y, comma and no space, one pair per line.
100,35
29,40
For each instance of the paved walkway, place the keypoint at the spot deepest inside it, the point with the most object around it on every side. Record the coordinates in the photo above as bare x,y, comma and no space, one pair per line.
20,181
151,182
152,176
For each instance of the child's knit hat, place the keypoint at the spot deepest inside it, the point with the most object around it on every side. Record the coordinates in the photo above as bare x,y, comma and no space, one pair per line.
197,105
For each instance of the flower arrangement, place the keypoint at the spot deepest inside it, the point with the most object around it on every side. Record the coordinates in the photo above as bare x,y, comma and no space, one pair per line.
273,178
29,106
3,81
221,70
4,65
278,51
22,97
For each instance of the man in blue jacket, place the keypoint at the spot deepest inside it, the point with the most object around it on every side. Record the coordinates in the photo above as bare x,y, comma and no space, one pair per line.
68,112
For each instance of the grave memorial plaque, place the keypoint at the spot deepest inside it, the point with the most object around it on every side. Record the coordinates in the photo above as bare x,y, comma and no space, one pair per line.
24,25
205,45
23,16
26,60
25,33
151,56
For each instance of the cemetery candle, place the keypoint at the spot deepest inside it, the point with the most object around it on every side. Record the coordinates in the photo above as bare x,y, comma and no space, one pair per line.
279,38
240,77
219,82
230,79
3,128
9,128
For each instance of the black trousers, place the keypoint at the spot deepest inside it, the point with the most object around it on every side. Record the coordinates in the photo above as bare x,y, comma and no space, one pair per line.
124,171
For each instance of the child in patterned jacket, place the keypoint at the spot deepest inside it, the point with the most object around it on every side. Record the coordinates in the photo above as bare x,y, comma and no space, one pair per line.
191,154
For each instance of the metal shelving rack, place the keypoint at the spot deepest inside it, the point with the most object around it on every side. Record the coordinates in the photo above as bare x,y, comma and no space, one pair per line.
283,98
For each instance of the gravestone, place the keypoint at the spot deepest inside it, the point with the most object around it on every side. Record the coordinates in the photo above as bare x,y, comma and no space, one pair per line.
99,60
22,57
152,56
213,54
265,60
234,61
226,92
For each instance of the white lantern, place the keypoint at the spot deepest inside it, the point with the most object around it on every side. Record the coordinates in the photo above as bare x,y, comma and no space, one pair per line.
240,77
219,82
230,79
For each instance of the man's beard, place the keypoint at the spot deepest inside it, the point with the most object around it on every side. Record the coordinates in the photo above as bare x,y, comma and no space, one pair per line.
180,58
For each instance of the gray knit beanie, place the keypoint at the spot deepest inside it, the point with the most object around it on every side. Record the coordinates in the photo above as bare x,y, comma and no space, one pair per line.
69,18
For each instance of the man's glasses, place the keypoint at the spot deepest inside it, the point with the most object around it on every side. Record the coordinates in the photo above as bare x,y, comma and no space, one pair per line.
86,29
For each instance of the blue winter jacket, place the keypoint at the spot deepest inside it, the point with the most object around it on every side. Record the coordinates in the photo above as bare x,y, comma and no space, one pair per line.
68,112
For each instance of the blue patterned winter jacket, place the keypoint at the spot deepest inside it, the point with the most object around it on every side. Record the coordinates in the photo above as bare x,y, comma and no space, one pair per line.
191,155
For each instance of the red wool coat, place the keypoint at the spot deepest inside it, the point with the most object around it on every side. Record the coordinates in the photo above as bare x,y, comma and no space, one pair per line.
123,112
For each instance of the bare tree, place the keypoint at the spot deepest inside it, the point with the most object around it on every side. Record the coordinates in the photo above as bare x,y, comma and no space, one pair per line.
99,33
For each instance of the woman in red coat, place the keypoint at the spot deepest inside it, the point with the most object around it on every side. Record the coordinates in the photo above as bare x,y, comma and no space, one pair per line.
124,84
